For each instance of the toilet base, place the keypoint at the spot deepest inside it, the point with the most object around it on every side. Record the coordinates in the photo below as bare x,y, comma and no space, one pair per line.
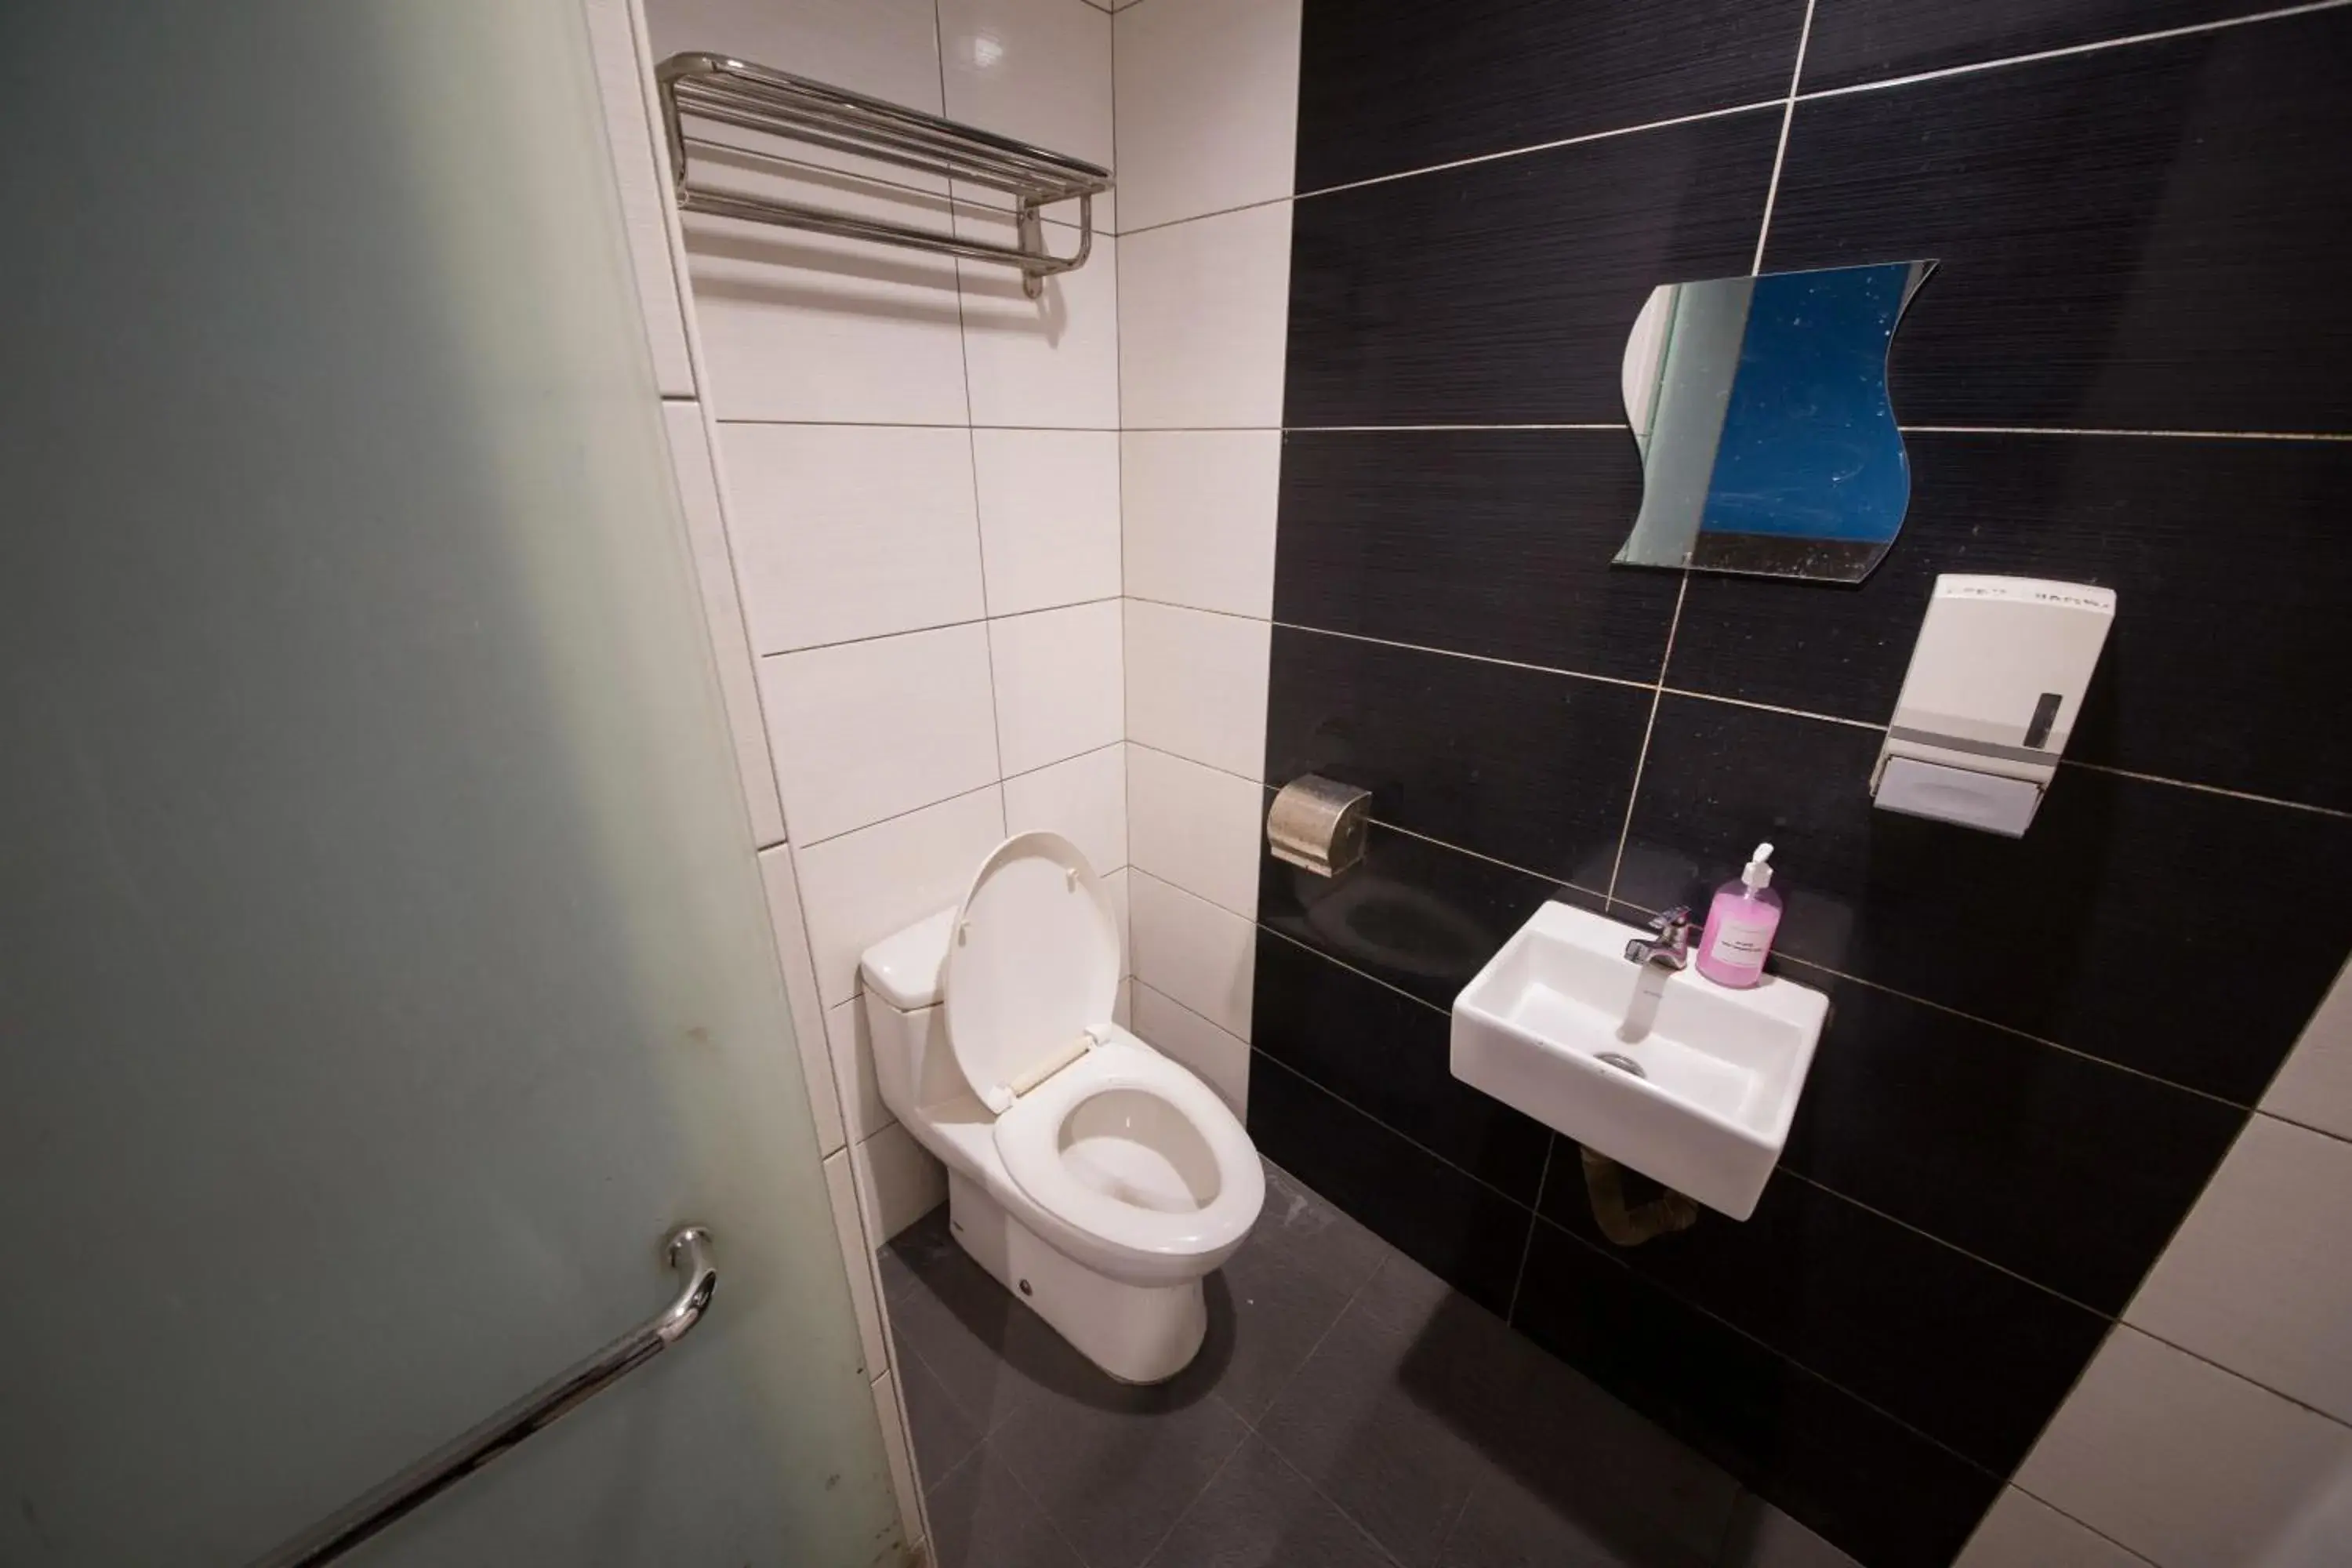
1136,1334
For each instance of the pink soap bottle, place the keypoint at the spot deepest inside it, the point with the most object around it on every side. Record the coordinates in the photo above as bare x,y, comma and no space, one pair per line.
1740,924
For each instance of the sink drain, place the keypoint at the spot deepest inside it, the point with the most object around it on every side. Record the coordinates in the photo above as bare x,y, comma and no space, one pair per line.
1622,1063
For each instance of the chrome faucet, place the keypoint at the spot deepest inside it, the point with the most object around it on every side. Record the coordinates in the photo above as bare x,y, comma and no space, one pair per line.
1670,949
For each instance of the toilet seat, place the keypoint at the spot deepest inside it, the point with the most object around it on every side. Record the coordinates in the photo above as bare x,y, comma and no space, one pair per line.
1029,1140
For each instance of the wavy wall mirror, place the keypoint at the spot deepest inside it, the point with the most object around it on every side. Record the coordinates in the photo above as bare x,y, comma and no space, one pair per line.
1768,437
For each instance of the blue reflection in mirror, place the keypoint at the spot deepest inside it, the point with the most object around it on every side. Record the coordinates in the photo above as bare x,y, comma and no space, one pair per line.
1768,436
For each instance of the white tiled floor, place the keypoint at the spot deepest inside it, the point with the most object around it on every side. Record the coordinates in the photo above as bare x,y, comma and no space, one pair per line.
2024,1532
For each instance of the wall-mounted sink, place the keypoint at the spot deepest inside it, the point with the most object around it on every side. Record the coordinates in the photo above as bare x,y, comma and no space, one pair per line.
1691,1083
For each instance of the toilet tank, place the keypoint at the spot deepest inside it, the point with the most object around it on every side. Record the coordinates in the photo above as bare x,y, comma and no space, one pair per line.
905,1026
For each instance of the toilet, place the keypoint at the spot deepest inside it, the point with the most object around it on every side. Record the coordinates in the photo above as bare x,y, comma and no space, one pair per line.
1095,1178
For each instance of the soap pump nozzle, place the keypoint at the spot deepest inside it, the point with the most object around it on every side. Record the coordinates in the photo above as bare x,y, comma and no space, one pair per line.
1759,874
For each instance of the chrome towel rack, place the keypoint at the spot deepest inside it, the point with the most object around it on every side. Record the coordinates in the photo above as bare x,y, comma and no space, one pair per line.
721,91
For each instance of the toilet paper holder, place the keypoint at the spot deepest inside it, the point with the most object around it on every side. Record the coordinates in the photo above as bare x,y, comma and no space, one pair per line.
1317,824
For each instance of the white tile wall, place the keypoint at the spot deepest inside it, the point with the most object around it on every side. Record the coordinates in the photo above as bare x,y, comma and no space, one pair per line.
1083,799
1208,106
898,1182
1049,517
1219,1060
1053,361
1121,902
2258,1279
2024,1532
846,532
861,887
1038,70
865,731
1202,307
2315,1086
885,48
841,1186
1191,951
2192,1466
1195,827
1196,684
851,1042
1197,508
621,83
800,992
722,610
1059,687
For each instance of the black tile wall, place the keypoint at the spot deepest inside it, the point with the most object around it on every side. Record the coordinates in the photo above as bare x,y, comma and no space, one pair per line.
1998,1144
1972,1357
1500,292
2125,234
1385,1053
2239,705
2038,1049
1884,1492
1390,85
2066,934
1405,534
1869,40
1555,752
1449,1222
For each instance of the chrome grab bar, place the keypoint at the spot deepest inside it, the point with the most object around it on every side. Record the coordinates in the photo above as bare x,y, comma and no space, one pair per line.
689,1254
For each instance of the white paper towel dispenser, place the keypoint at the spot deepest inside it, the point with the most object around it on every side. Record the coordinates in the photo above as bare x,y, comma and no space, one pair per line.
1990,698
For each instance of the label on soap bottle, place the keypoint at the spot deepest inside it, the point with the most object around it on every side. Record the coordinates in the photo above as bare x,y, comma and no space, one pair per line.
1742,944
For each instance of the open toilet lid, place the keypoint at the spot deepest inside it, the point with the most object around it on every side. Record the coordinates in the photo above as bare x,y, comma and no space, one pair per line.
1033,965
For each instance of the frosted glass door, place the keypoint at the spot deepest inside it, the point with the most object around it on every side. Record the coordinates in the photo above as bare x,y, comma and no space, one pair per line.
383,965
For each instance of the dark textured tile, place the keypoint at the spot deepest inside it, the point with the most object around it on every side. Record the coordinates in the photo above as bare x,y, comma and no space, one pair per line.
1973,1357
1390,85
2123,233
1761,1536
1968,1132
1869,40
1114,1475
1260,1513
1486,541
1502,293
943,1437
1871,1485
1522,765
2233,549
1459,1228
1388,1056
2066,934
981,1518
1420,1401
1418,915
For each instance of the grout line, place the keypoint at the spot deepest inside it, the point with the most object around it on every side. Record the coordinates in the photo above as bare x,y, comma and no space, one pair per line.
1480,658
1337,1098
1642,757
2299,1126
2085,1524
1358,974
1785,1169
1548,146
2092,430
1491,860
1527,1248
1769,1348
1196,609
2101,44
1781,152
1773,708
1382,429
1178,756
805,845
2206,788
1182,1006
979,620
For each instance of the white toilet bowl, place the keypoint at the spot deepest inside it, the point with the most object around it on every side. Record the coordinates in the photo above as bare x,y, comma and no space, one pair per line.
1091,1176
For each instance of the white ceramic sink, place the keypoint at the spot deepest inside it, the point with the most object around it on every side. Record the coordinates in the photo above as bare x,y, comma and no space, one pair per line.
1559,1021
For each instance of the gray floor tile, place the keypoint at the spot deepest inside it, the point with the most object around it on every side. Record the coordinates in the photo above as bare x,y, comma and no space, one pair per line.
1761,1536
1419,1399
1116,1466
970,1333
943,1438
981,1517
1260,1513
921,1247
1312,1233
1507,1524
1268,1307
